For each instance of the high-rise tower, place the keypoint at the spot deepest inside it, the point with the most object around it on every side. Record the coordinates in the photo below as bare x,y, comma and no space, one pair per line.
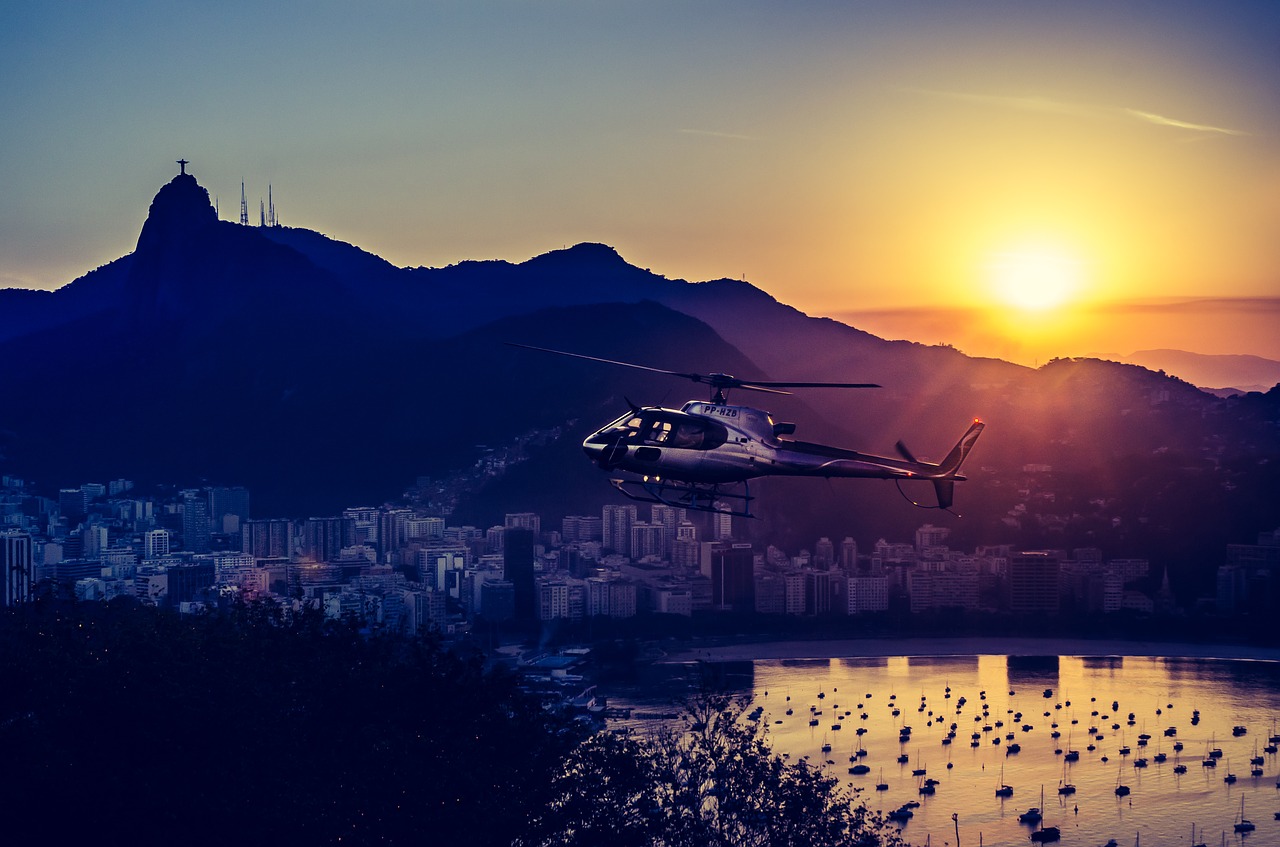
15,568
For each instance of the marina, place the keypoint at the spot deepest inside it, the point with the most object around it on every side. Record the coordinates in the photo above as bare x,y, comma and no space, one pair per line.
1105,741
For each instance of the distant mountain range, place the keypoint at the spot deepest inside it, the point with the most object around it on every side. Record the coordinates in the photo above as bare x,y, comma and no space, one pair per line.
321,376
1222,375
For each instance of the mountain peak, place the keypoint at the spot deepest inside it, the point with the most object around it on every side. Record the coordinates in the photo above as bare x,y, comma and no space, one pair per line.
588,252
180,208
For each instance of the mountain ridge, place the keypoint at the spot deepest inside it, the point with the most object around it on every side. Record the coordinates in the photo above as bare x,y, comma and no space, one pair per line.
320,375
1236,372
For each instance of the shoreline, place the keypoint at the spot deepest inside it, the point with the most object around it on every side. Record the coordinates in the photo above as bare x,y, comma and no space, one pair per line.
866,648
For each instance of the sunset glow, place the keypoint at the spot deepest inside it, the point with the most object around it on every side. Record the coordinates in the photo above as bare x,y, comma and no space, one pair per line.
839,156
1034,279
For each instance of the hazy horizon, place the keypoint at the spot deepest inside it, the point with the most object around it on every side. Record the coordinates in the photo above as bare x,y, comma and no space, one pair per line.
1030,161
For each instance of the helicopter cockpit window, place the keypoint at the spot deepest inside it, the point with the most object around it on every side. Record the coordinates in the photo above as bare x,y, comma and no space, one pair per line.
689,435
659,432
682,431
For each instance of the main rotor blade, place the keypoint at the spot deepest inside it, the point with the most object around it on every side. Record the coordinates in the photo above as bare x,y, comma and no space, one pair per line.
690,376
755,384
716,380
906,454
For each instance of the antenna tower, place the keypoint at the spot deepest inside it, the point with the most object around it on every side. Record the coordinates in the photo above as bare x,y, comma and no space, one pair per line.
262,213
271,208
244,207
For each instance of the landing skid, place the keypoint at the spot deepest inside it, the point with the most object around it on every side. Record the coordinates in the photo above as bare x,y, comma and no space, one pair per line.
729,499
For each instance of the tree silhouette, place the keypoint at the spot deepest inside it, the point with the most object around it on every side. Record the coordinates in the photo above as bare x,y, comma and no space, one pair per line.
714,781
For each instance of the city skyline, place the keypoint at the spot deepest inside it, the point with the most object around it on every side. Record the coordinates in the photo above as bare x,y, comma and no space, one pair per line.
188,547
918,171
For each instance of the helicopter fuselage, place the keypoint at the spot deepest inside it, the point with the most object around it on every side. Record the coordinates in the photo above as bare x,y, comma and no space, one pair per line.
713,443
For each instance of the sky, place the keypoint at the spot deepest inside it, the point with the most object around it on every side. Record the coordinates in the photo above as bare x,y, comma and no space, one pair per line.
1018,179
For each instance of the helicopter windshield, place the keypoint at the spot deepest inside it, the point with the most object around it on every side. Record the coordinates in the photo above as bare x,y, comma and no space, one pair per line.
663,428
667,429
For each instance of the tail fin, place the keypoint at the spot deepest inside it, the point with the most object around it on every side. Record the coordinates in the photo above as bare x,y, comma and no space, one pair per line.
951,465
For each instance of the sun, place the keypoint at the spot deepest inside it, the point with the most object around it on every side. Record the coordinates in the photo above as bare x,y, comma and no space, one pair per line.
1034,279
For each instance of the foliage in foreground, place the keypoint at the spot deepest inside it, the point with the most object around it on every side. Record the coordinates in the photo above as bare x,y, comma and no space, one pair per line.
128,724
125,724
715,783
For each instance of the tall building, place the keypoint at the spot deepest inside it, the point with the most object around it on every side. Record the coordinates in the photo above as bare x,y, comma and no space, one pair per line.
73,504
517,566
224,502
616,523
94,538
493,538
15,568
393,529
443,566
524,520
669,518
1033,583
848,555
819,592
197,536
553,599
424,529
365,521
931,590
731,569
648,540
267,539
867,594
324,538
155,544
497,600
576,529
722,526
824,554
931,536
687,553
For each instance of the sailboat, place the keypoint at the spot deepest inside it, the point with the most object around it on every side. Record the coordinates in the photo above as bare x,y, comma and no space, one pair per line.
1045,834
1244,824
1033,815
1065,787
1121,789
1003,790
1071,755
1194,843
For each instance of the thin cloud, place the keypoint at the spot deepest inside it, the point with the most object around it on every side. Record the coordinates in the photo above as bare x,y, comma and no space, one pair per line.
713,134
1161,120
1044,104
1025,104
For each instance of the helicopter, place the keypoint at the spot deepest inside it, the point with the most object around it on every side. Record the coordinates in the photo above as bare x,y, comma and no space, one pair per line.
701,456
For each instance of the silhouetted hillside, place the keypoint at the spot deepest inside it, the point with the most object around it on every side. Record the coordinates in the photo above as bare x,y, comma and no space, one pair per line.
321,376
